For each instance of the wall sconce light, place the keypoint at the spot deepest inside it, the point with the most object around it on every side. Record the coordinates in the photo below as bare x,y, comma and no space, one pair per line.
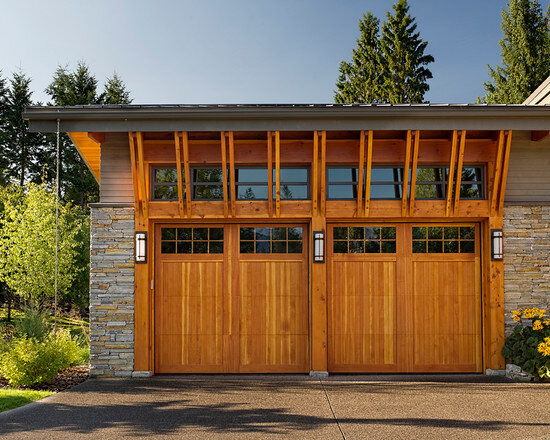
318,246
141,247
496,244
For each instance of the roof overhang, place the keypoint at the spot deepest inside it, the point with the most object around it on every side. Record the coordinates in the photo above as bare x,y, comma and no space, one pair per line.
288,117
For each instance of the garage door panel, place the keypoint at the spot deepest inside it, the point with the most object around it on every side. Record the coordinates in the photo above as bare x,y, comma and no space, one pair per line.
273,350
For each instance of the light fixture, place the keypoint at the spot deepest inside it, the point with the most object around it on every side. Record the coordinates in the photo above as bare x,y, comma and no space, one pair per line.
141,247
496,244
318,246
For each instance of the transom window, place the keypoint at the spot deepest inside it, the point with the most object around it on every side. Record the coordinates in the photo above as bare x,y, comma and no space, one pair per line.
164,183
191,240
207,183
251,183
271,240
443,239
431,183
364,240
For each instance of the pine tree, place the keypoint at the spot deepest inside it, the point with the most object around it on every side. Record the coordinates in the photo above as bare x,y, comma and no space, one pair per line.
404,68
525,52
359,80
116,92
3,140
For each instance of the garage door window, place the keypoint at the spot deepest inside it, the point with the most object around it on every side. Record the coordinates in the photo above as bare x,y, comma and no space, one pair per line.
191,241
364,240
268,240
443,239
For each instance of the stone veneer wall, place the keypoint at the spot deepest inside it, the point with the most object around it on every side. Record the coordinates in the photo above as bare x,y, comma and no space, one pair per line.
111,291
526,257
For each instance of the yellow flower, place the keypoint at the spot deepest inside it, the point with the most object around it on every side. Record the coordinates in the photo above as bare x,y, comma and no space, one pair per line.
547,322
537,325
517,318
516,312
544,348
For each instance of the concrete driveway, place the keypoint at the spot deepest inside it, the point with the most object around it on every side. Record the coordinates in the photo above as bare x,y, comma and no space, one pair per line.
290,407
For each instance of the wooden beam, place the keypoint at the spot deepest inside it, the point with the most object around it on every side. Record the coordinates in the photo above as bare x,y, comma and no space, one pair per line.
369,172
97,137
224,174
277,173
413,171
459,169
539,135
451,176
504,173
315,171
232,172
141,168
185,143
323,171
405,189
360,167
178,170
270,173
135,182
498,170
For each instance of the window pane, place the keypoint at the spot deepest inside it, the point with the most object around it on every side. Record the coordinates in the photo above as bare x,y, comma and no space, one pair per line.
247,233
207,175
200,247
165,175
386,174
435,191
279,247
343,174
451,247
208,192
419,247
388,247
262,247
165,192
467,233
385,191
295,233
340,233
342,192
356,247
185,234
430,175
356,233
372,247
255,192
435,247
216,247
294,175
340,247
216,233
168,247
471,174
255,175
200,234
294,247
168,234
467,247
470,191
419,232
279,233
184,247
292,192
388,232
247,247
263,233
450,232
372,233
435,232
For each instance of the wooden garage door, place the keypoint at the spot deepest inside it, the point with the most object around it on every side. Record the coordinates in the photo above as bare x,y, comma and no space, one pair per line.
231,299
404,298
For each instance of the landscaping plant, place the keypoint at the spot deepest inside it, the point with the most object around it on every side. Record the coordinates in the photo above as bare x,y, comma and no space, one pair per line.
529,344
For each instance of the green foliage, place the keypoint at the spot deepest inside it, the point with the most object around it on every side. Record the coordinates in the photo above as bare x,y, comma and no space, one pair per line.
525,52
116,92
10,398
387,68
33,324
27,242
29,361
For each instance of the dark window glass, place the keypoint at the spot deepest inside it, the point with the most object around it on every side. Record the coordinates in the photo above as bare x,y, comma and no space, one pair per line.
360,239
443,239
207,183
252,184
252,192
191,240
275,240
342,183
294,183
386,182
164,183
431,183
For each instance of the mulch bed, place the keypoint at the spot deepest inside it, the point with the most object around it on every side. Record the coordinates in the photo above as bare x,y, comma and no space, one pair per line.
63,380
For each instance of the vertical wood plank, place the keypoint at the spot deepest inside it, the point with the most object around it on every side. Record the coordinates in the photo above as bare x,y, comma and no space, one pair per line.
270,173
145,196
369,172
459,169
135,182
232,172
278,173
185,142
361,166
404,196
319,317
315,172
451,173
498,169
413,171
504,173
178,170
224,173
323,172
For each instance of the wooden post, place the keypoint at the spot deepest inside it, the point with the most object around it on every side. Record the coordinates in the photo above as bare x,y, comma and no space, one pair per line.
323,172
450,178
369,172
232,173
142,179
504,173
270,173
185,142
315,172
135,182
319,341
413,171
277,173
178,170
224,174
459,170
361,166
404,196
498,170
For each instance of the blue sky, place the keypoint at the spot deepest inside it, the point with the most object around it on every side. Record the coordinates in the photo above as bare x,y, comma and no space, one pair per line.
237,51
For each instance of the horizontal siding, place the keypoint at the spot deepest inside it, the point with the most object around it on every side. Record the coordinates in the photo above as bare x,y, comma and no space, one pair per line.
116,172
529,169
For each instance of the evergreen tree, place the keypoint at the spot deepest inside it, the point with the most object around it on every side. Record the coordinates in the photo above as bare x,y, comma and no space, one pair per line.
116,92
3,123
404,60
360,79
525,52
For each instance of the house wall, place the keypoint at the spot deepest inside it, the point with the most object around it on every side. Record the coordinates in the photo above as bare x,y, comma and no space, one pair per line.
112,291
115,170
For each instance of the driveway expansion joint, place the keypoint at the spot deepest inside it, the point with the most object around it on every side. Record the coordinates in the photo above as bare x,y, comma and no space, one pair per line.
332,410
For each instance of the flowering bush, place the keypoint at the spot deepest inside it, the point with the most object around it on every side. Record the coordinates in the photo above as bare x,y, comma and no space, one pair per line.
529,344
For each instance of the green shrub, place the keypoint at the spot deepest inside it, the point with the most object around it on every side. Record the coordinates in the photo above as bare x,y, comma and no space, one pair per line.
30,361
33,324
527,345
